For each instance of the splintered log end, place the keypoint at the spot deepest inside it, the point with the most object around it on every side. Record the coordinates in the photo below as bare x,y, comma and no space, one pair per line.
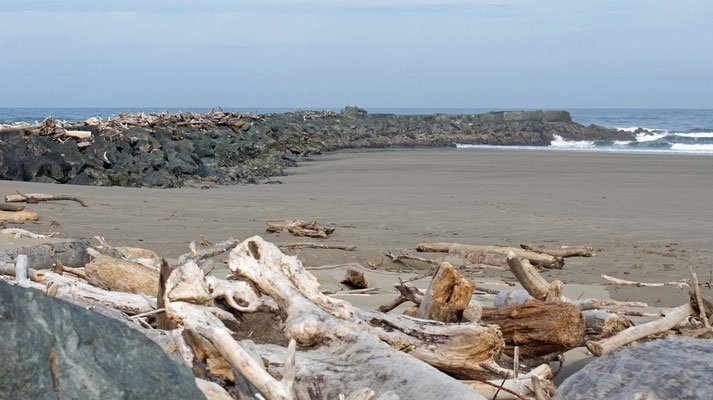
355,279
447,296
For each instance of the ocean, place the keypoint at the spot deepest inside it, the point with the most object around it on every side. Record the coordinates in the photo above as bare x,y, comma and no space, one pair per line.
672,131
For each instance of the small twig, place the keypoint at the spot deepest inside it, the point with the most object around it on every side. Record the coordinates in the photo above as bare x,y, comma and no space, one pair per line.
350,292
699,300
147,313
679,283
401,257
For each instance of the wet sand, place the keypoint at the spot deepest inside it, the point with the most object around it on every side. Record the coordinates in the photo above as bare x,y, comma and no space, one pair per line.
648,216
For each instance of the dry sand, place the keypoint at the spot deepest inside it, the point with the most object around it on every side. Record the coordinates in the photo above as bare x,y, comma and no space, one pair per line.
648,216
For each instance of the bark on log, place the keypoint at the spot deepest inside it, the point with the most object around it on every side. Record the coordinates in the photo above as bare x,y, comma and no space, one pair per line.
538,328
18,216
603,324
11,207
355,279
634,333
312,317
447,296
121,275
563,251
544,260
34,198
162,320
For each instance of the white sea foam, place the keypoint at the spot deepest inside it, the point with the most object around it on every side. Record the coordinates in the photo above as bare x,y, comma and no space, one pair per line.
650,137
695,134
622,142
560,142
692,148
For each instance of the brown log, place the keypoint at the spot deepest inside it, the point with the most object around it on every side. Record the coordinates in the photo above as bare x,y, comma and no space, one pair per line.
355,279
447,296
162,320
34,198
544,260
563,251
121,275
407,293
538,328
11,207
18,216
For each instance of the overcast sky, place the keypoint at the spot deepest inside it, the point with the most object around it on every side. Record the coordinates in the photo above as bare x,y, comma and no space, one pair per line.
331,53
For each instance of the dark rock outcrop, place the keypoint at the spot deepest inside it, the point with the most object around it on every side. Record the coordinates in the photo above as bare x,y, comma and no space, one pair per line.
680,368
54,350
167,154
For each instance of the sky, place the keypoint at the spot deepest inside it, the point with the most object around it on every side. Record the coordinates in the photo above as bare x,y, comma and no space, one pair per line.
332,53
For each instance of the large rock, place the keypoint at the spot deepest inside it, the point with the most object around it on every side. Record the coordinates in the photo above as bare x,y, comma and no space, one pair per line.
54,350
680,368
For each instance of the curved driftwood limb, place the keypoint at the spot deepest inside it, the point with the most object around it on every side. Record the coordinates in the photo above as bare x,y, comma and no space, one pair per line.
34,198
563,251
18,216
233,292
544,260
304,245
529,278
679,283
201,323
634,333
407,293
312,317
11,207
208,252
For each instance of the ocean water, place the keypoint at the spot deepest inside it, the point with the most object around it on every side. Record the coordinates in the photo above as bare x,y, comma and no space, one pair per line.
673,131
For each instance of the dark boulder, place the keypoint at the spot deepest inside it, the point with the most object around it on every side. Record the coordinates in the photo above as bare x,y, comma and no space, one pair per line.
54,350
680,368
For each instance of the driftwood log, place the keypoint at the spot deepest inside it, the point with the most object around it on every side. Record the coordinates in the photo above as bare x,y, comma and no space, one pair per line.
11,207
300,228
447,296
18,216
70,253
538,328
544,260
680,283
312,317
34,198
308,245
603,324
407,293
355,279
121,275
586,250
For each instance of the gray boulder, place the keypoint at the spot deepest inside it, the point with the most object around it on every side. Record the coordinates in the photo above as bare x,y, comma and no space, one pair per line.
680,368
54,350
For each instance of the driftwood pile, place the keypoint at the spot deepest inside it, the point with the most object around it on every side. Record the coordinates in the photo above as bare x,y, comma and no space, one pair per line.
330,349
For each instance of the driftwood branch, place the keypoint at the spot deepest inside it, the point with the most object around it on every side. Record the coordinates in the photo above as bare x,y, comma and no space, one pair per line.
679,283
563,251
544,260
34,198
303,245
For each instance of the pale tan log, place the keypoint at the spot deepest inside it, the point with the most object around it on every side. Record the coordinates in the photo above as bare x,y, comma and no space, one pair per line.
447,296
212,391
545,260
593,304
18,216
140,255
482,257
538,328
300,228
586,250
304,245
34,198
79,134
11,207
521,385
604,324
20,233
634,333
529,278
121,275
680,283
312,317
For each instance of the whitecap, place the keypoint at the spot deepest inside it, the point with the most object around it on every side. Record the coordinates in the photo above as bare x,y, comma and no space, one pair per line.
622,142
651,136
694,134
559,141
692,148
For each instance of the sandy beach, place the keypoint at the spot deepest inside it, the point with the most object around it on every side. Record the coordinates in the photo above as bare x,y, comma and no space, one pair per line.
644,214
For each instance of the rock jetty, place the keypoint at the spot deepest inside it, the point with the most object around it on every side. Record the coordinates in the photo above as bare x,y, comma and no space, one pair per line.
168,150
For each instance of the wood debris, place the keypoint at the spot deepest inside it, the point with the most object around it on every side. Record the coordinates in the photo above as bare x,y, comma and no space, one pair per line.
34,198
300,228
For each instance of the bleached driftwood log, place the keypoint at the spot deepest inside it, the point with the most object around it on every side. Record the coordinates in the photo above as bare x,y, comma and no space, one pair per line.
401,257
521,385
137,254
300,228
121,275
479,257
544,260
531,280
21,268
538,328
19,233
672,318
34,198
312,317
303,245
208,252
18,216
586,250
447,296
680,283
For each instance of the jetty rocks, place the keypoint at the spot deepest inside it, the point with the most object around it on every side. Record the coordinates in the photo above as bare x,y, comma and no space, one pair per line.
55,350
168,150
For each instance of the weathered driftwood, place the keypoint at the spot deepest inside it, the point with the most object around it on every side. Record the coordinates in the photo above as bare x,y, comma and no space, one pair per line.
586,250
121,275
300,228
538,328
544,260
529,278
407,293
34,198
604,324
71,254
355,279
11,207
680,283
634,333
401,257
18,216
312,317
304,245
21,268
706,299
208,252
482,257
447,296
143,256
20,233
521,385
699,304
162,320
212,391
58,268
